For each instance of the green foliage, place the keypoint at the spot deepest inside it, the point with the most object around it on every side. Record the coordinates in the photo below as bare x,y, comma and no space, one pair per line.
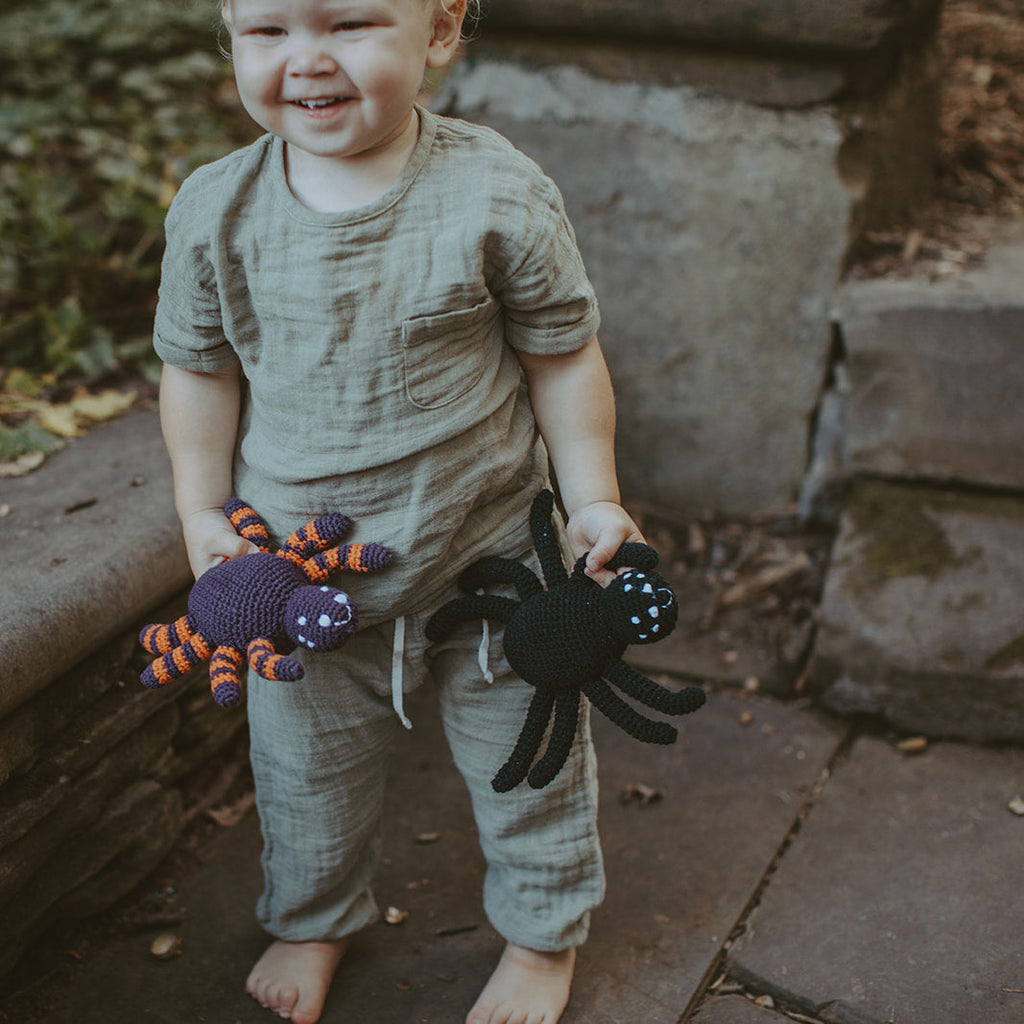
105,106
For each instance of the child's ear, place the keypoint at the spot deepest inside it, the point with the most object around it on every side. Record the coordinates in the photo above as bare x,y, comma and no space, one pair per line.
447,33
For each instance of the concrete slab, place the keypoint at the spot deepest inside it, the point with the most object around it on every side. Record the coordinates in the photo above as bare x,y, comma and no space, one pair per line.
69,551
900,899
919,618
733,1009
694,351
936,370
681,870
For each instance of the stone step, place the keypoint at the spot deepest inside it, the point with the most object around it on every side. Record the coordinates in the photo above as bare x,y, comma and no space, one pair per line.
936,371
920,618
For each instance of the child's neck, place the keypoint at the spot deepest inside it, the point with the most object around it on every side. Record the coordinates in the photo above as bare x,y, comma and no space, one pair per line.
336,184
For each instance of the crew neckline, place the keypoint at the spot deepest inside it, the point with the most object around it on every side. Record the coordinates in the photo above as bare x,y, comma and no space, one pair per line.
299,211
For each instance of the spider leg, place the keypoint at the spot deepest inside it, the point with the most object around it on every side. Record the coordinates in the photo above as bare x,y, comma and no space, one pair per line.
176,662
266,662
466,609
225,684
247,523
354,557
670,702
514,770
493,569
618,711
317,535
158,639
563,732
545,540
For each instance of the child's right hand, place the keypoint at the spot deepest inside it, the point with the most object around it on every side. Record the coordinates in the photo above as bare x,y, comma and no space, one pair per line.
210,539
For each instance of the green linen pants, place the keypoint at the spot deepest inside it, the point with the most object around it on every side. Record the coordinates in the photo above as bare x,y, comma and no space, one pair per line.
320,750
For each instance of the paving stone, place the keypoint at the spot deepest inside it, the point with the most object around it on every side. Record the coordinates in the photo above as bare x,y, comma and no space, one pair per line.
736,1010
919,620
900,899
936,372
680,872
90,544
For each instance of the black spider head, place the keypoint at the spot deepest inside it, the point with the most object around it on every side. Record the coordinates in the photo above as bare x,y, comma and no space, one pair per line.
641,606
319,618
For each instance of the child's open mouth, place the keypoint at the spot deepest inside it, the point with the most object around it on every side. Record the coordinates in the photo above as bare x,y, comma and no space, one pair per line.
323,103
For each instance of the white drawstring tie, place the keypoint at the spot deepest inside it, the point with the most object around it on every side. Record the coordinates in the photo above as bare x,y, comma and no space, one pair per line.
397,660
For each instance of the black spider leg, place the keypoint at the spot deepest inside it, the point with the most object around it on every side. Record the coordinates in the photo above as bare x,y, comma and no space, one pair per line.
466,609
545,540
493,569
648,692
621,714
515,769
563,732
633,555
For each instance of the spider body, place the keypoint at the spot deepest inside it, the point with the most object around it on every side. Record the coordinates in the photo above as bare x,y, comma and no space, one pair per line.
260,607
569,639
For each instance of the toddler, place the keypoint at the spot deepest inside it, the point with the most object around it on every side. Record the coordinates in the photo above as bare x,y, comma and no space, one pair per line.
383,312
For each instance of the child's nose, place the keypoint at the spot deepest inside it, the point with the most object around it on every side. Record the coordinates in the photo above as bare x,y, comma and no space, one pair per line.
311,57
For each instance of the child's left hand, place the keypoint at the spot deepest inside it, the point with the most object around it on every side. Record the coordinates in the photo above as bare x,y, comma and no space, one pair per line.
601,528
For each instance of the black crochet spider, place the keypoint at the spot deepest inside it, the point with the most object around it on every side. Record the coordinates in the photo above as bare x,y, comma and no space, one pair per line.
569,639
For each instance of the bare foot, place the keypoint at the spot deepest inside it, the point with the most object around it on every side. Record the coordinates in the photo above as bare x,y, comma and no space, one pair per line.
292,978
526,987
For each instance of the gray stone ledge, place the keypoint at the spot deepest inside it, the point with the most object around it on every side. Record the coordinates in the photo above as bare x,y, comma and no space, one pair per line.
74,580
852,26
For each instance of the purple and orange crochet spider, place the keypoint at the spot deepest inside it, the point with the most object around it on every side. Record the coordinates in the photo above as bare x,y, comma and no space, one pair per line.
263,605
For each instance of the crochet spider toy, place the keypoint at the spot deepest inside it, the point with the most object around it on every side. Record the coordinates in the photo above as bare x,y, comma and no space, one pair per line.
263,605
568,640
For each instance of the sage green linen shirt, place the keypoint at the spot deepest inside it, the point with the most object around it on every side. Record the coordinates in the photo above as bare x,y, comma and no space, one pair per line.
379,345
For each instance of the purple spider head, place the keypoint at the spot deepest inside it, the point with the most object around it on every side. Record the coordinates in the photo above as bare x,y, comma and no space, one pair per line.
643,606
320,618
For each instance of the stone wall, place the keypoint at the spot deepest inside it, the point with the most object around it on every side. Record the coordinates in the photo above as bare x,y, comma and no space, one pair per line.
91,776
717,161
92,766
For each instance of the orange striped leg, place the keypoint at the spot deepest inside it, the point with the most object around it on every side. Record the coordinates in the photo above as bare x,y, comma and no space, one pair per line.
177,662
157,639
318,535
353,557
266,662
247,523
225,684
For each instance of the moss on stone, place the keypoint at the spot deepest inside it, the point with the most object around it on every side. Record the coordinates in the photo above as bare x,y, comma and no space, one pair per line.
900,537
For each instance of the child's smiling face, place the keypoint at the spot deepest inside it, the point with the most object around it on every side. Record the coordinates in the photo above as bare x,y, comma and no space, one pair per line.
335,78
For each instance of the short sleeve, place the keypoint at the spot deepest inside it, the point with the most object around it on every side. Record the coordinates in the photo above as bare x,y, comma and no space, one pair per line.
188,331
550,306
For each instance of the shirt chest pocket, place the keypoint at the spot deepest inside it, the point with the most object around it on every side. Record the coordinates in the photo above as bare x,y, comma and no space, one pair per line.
447,354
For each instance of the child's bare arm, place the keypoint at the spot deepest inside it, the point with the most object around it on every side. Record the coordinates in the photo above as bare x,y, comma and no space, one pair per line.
575,410
199,417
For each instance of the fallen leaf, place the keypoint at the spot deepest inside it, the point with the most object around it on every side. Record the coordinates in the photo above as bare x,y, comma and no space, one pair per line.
166,946
395,916
231,814
772,576
58,419
912,745
639,793
424,838
1016,806
23,464
5,510
104,405
746,718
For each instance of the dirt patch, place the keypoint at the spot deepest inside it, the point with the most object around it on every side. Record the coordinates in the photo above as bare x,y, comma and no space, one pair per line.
979,181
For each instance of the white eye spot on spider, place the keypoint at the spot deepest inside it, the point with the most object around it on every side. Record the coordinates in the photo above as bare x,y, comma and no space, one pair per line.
302,639
635,620
648,589
628,587
655,628
301,620
643,636
323,590
340,598
311,645
324,621
653,611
